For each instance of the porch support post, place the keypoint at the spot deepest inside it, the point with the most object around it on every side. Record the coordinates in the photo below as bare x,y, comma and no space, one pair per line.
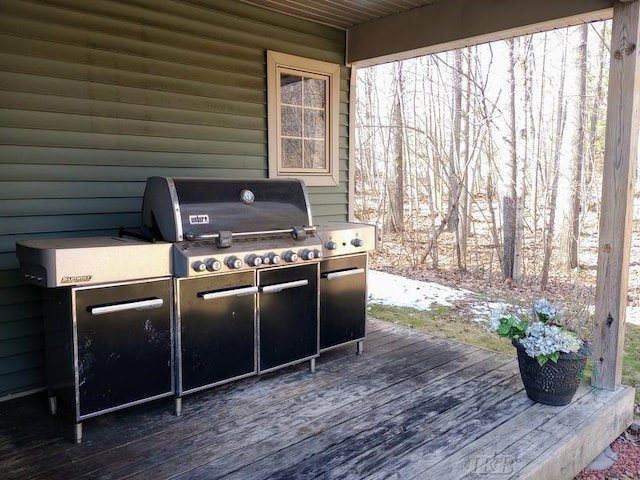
620,156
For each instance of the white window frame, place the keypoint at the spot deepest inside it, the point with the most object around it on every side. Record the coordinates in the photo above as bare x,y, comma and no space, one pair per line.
278,63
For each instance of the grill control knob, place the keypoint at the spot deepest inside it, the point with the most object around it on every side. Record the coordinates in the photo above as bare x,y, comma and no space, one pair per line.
233,262
253,260
199,266
213,265
272,258
317,253
289,256
357,242
331,245
307,254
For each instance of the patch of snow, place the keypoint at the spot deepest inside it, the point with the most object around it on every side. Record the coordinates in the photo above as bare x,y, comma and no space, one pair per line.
633,315
388,289
394,290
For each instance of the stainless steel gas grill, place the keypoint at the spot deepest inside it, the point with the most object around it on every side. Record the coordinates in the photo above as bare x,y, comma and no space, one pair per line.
245,258
225,279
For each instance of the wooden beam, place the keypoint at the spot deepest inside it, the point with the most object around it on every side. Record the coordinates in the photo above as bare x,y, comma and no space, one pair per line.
458,23
620,154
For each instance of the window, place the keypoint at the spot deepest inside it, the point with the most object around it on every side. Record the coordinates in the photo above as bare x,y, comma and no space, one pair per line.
303,105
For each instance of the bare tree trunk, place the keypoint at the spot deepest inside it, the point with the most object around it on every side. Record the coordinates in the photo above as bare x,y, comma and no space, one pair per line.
454,150
464,189
509,200
550,230
395,178
573,149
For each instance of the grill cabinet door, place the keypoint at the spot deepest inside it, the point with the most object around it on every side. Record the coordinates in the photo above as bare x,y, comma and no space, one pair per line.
343,302
217,326
288,306
123,345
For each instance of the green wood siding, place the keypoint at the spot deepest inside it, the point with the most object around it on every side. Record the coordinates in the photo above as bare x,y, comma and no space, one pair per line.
97,96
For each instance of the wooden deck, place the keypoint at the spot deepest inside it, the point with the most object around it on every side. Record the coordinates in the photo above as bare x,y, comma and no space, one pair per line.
412,406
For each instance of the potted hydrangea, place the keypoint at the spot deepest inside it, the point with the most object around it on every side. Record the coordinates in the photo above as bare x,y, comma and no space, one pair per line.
550,356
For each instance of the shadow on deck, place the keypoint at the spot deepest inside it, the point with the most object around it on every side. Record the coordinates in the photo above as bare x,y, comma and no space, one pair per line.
412,406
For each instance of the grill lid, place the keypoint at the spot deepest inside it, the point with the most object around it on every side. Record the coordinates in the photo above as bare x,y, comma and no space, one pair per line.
178,209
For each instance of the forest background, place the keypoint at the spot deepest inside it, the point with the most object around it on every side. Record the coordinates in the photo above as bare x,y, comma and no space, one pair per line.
482,166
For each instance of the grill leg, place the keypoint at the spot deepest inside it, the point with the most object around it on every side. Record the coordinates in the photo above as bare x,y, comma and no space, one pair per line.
178,406
312,365
359,347
52,404
77,432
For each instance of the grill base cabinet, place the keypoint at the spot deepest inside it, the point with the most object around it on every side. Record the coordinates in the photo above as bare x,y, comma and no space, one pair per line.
108,346
216,321
343,301
288,316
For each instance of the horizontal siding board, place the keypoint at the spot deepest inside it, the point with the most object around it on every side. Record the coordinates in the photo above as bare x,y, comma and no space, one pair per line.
14,104
244,10
182,17
19,362
125,32
115,173
24,380
328,198
70,206
28,313
95,97
32,189
8,261
22,345
44,84
12,154
106,141
34,64
38,120
324,210
20,328
65,223
96,36
20,294
10,278
117,62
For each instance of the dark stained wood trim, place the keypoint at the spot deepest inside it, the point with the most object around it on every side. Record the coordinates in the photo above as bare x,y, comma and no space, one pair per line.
458,23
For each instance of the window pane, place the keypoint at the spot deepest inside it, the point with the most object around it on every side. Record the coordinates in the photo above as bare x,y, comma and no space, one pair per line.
314,92
291,121
291,153
314,156
290,89
314,126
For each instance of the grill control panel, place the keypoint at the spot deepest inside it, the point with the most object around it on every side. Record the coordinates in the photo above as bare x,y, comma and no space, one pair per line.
206,258
344,238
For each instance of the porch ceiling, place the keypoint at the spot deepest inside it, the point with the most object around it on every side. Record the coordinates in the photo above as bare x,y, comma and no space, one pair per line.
386,30
341,13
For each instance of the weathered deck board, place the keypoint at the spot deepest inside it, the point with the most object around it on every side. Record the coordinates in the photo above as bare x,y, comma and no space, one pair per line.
412,406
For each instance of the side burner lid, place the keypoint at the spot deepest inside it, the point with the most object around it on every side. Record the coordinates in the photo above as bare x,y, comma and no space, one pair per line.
179,209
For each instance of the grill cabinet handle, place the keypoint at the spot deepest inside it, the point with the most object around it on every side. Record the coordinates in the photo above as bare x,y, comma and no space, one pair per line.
125,306
284,286
238,292
343,273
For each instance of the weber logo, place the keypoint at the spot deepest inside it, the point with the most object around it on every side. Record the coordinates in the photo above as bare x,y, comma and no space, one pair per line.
76,279
198,219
